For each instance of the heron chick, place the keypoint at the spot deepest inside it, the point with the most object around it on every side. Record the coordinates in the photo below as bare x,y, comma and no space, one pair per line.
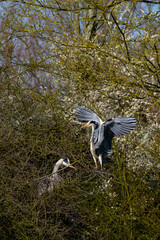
48,183
103,132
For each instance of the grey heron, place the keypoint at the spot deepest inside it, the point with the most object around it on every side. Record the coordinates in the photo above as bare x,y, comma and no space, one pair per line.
103,132
49,182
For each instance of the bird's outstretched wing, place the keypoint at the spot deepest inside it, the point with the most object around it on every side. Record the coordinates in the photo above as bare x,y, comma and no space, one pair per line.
115,127
85,115
120,126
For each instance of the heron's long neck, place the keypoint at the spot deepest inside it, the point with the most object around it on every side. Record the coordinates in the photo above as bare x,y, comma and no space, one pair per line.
91,139
57,165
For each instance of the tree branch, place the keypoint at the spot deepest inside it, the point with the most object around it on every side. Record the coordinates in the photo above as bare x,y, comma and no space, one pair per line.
123,35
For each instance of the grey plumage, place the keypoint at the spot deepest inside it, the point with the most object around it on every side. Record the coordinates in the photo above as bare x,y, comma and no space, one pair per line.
103,132
48,183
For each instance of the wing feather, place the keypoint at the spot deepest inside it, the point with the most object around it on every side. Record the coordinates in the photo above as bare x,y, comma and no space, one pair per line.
86,115
121,126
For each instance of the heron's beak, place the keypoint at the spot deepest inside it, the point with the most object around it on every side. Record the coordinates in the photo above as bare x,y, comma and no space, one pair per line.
87,125
72,167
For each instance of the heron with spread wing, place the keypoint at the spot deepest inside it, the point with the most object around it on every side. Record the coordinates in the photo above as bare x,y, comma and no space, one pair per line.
103,132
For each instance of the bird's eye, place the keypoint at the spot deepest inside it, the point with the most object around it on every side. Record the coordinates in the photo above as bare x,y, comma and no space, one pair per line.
95,123
66,160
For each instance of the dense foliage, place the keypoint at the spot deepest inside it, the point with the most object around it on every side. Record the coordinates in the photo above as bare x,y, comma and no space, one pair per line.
55,55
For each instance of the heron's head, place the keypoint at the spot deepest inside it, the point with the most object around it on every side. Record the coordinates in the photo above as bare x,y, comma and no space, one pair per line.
90,123
66,163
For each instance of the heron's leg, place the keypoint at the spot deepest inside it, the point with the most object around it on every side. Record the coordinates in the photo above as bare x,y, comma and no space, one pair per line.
94,158
100,160
93,155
